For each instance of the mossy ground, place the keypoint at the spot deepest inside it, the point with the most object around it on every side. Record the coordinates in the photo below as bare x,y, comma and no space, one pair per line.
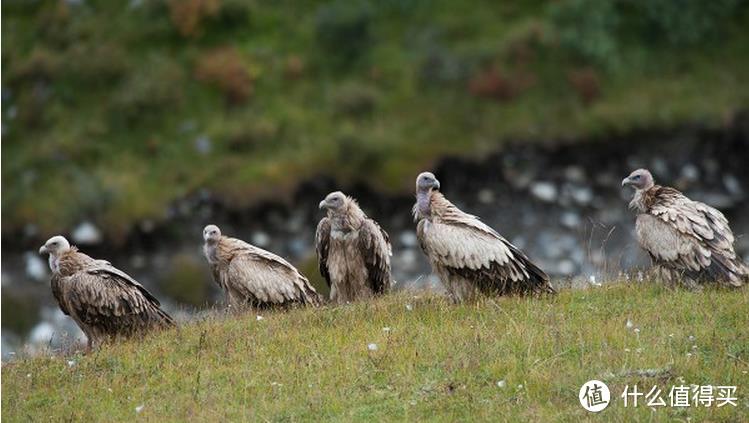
437,361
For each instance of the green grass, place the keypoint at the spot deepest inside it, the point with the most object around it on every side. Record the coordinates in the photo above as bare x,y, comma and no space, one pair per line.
438,361
108,103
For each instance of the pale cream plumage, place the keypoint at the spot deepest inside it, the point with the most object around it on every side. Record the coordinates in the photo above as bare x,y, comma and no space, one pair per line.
469,256
251,276
688,241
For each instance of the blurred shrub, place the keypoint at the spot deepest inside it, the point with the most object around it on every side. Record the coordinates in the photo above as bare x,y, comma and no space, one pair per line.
587,28
152,88
500,85
355,99
251,134
294,67
188,14
187,282
595,30
686,22
343,30
223,67
586,83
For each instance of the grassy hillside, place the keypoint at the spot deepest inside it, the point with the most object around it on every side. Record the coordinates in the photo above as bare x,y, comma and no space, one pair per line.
436,361
112,110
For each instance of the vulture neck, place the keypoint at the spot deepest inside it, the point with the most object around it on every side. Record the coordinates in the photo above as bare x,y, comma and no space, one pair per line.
642,199
70,262
210,249
424,204
349,219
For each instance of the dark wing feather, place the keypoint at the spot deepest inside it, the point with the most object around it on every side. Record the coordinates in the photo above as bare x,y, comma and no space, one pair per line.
108,298
374,246
57,292
322,246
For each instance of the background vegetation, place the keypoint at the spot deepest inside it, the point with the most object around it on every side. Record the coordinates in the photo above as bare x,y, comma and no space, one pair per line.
112,110
513,359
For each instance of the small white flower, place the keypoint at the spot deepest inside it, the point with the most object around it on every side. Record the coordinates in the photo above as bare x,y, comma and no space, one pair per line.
689,354
691,338
386,329
259,318
626,350
412,402
372,347
638,351
501,383
629,324
409,307
520,386
670,335
139,408
28,375
71,363
694,347
637,330
109,390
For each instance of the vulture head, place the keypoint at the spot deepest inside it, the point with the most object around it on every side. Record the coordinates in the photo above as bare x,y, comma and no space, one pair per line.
55,246
640,179
334,202
426,181
211,234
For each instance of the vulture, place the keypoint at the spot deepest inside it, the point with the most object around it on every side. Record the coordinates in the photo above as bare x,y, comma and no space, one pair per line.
470,258
253,277
688,241
353,252
104,301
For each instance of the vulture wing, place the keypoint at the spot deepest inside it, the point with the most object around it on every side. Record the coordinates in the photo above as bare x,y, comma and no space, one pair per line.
375,248
322,246
265,278
104,296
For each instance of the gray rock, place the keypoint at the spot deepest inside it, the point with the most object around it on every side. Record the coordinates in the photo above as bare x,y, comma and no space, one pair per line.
733,186
690,172
486,196
42,333
544,191
261,239
203,145
582,195
87,234
408,239
570,219
566,267
574,174
36,268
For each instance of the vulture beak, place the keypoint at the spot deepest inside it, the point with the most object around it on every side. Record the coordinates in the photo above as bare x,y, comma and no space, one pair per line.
436,185
322,204
625,182
43,250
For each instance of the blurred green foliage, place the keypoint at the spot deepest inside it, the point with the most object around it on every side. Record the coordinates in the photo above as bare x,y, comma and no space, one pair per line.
113,110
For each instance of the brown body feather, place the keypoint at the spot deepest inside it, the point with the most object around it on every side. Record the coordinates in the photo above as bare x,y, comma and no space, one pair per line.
353,254
104,301
469,256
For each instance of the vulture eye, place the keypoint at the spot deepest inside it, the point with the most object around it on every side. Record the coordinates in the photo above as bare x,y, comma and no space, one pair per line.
636,177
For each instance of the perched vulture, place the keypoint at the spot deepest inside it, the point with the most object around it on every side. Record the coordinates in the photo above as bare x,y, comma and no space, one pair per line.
353,252
253,277
469,256
104,301
688,241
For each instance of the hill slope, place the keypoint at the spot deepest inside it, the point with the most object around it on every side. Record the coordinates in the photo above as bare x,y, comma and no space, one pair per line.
436,361
114,110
